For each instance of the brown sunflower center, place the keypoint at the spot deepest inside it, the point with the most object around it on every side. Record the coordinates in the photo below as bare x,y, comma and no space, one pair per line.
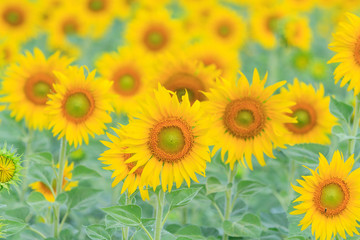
171,139
7,169
244,118
271,23
357,51
97,5
14,16
126,81
305,116
182,82
78,106
37,87
224,30
332,197
70,26
131,165
155,38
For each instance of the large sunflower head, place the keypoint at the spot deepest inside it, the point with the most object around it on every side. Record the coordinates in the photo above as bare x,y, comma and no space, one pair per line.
27,84
249,119
346,44
18,20
9,168
182,74
166,138
131,78
116,159
80,106
311,110
330,198
154,33
49,192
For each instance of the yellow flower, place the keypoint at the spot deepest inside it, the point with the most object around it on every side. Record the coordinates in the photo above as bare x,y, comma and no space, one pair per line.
311,109
131,78
347,47
180,74
80,106
9,51
298,33
154,32
18,20
9,168
224,59
330,198
50,194
27,84
247,119
227,28
117,162
166,138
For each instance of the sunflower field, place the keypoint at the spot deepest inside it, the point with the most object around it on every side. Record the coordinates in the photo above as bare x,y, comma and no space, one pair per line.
179,119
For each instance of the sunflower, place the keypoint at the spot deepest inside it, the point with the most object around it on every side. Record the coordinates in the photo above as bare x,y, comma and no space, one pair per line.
182,74
68,20
50,193
117,162
264,24
9,51
9,168
347,47
80,106
298,33
226,28
330,198
224,59
166,138
18,20
27,84
249,120
311,109
154,33
131,78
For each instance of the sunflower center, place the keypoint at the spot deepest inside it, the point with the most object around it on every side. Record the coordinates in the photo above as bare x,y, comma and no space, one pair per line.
70,27
271,23
357,51
78,106
37,87
171,139
13,16
96,5
331,197
305,116
224,30
244,118
155,38
182,82
7,169
126,82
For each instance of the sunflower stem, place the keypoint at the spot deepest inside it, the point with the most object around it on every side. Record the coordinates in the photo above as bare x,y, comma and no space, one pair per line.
228,195
28,150
59,181
158,216
355,126
125,230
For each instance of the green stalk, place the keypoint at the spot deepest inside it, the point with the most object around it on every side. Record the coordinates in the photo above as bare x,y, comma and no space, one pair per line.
59,181
159,213
228,194
25,173
355,126
125,230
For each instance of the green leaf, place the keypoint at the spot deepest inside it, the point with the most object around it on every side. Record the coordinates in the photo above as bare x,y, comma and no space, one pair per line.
79,196
37,201
213,185
129,215
148,221
340,109
82,172
43,158
248,226
61,198
12,227
182,197
97,232
20,213
189,232
246,188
